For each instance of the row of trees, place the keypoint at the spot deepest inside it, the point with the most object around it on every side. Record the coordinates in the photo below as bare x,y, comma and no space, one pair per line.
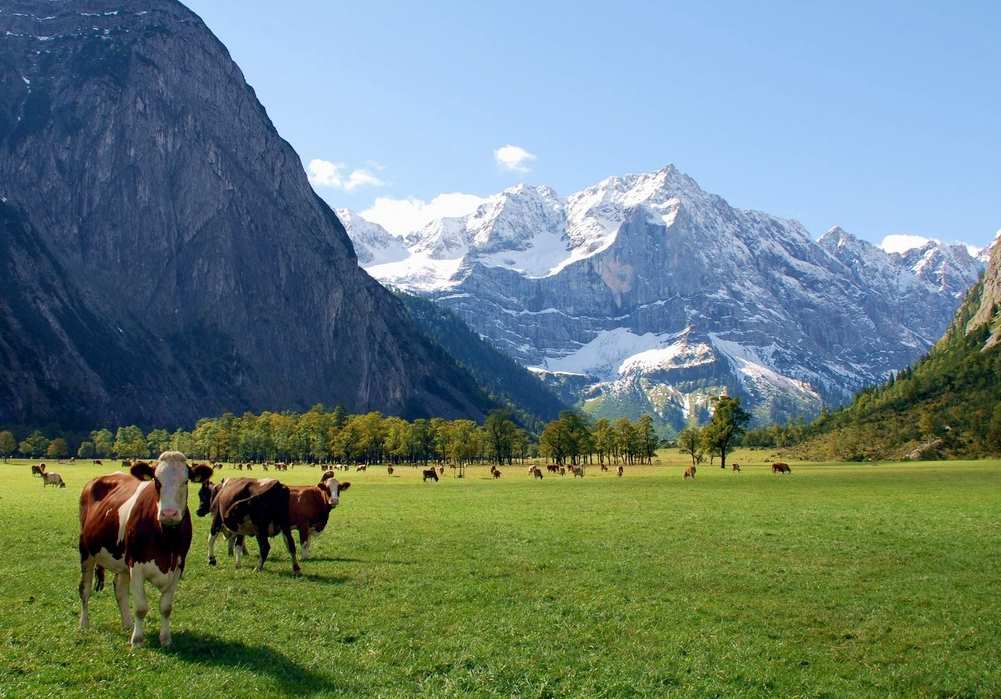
319,435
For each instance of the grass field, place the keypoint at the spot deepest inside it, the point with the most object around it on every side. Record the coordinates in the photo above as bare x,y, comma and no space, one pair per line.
838,580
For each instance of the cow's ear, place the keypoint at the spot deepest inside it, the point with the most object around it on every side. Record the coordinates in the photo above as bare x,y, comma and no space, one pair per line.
142,470
341,487
201,473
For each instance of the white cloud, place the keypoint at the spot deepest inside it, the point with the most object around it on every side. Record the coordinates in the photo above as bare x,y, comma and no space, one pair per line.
902,242
402,216
514,158
323,173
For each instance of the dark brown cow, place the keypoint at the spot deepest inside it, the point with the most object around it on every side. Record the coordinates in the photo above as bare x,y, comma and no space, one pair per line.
310,506
553,468
605,468
137,525
250,507
781,468
431,474
389,470
563,471
495,472
619,471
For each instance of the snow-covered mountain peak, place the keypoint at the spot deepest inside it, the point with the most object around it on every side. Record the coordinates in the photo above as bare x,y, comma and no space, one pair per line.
373,244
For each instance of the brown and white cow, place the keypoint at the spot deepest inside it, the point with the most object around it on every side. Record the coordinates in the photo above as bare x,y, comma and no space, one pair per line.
52,478
137,525
310,506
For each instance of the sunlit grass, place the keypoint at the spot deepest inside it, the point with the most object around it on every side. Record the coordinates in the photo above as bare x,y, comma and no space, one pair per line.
838,580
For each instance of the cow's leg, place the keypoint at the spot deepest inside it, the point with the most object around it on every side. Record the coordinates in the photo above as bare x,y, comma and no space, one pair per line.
213,535
166,607
122,595
290,544
87,564
265,548
137,588
304,541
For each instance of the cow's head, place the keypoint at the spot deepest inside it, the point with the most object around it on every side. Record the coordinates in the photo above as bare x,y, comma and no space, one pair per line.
171,475
205,495
332,488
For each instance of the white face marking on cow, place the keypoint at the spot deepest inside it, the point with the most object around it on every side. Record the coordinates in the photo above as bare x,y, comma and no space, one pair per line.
172,477
334,496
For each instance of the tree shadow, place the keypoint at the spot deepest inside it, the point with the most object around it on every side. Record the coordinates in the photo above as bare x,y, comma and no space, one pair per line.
206,649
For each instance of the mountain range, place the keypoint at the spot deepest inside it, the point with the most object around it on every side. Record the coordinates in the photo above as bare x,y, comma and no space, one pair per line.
164,256
645,293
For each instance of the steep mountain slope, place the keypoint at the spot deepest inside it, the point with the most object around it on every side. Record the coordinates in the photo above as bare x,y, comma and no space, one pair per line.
646,293
170,258
504,379
947,404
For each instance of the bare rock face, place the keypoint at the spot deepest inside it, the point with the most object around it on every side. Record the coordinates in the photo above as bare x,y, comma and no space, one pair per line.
169,258
989,306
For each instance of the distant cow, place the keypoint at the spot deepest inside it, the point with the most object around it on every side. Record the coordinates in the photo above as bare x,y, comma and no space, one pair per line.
495,472
553,468
430,474
781,468
140,530
536,472
52,478
690,472
605,468
441,471
735,467
618,471
38,470
362,467
563,471
389,470
578,471
250,507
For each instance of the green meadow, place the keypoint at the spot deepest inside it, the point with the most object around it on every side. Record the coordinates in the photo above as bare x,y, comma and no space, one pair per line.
837,580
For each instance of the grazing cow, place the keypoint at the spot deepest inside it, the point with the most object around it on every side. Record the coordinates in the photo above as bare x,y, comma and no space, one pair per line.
264,466
362,467
38,469
735,467
441,471
605,468
536,472
619,471
553,468
389,470
310,506
563,471
496,473
690,472
249,467
97,462
781,468
430,473
250,507
137,525
578,471
52,478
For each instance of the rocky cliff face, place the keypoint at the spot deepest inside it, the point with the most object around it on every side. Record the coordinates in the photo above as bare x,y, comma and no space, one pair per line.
988,311
646,293
168,256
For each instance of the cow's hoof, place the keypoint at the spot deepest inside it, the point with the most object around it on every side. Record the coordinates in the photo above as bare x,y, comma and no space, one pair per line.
212,560
166,641
297,571
137,641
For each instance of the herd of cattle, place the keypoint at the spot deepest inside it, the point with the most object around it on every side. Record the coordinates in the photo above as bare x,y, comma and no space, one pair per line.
137,524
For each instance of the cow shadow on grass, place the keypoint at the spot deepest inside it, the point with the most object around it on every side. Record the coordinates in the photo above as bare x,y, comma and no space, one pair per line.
207,649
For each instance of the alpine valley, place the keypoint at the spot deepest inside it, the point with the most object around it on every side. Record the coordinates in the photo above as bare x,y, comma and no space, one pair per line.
646,294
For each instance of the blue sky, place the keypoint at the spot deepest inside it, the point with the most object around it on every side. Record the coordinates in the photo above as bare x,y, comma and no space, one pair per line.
882,118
